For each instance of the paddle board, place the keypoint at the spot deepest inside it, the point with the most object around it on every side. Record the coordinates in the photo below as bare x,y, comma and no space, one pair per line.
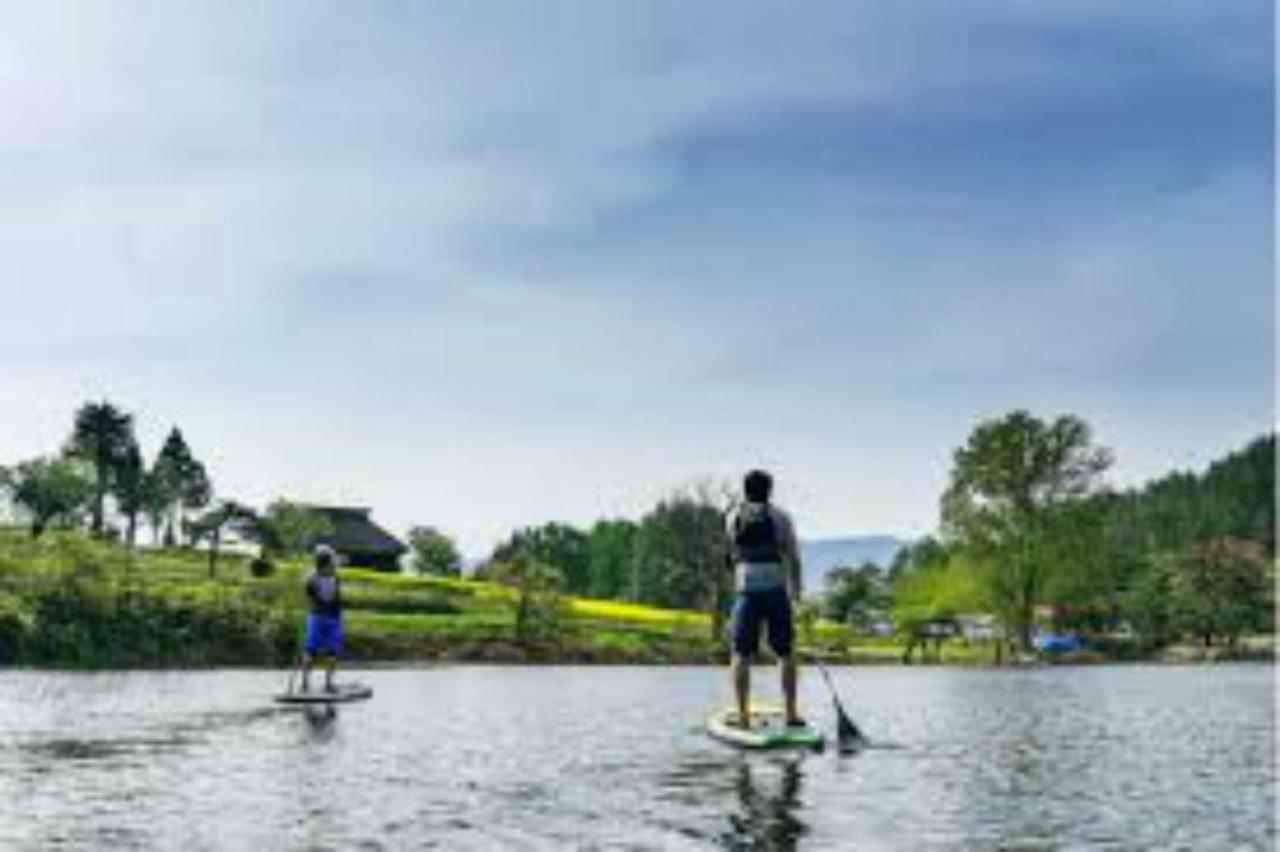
345,692
767,729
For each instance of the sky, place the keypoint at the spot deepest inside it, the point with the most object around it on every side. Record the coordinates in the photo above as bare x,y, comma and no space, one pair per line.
485,265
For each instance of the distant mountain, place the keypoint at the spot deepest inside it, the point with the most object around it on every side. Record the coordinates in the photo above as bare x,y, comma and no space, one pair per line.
822,554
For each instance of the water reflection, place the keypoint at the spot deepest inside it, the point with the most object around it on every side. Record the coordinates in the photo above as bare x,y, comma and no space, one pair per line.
767,816
320,719
462,758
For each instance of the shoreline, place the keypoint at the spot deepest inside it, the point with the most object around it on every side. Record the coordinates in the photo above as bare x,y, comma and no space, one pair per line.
70,603
1178,658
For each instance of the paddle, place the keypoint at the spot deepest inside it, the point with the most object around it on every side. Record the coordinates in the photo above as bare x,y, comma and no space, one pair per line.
847,732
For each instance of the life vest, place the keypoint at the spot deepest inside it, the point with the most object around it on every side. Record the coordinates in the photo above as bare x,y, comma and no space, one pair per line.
325,593
755,536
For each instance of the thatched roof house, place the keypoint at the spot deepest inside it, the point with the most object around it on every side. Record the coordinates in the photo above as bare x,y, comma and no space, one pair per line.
358,540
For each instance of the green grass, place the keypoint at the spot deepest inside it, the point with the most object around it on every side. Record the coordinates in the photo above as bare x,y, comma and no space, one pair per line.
67,600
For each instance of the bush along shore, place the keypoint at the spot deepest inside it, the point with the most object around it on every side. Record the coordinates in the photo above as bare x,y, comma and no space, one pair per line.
67,600
70,601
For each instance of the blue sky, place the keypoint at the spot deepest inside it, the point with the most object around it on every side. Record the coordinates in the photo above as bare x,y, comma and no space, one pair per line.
480,267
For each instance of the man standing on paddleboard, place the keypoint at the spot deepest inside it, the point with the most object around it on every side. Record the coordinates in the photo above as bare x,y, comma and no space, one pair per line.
324,622
767,579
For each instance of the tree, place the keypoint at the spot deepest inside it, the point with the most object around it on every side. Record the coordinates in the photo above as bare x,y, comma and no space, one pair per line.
1087,569
211,525
179,481
196,488
682,554
434,552
156,499
918,554
1149,605
1006,482
610,547
130,490
1233,498
856,596
49,490
557,545
928,599
102,436
536,603
288,529
1222,589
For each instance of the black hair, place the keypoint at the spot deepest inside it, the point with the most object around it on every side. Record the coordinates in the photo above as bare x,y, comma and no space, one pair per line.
757,485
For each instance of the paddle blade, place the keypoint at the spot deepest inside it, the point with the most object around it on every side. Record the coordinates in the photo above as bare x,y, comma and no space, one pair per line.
846,731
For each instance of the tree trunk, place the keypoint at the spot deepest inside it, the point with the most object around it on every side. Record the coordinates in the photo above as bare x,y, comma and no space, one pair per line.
522,615
131,531
99,498
1026,614
213,552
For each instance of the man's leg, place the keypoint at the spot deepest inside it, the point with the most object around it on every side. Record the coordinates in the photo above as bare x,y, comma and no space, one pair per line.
789,679
332,647
310,644
330,666
746,638
782,639
742,687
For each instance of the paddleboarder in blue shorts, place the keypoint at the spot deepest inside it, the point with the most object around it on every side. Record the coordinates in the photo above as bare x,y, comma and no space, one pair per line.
324,623
767,578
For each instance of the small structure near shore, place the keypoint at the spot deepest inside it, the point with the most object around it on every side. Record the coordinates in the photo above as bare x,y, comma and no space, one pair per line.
357,540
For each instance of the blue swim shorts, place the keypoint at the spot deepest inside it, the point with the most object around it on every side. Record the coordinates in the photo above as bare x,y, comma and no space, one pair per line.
324,635
771,607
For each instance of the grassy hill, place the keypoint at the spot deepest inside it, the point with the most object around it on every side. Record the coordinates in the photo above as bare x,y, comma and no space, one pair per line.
66,600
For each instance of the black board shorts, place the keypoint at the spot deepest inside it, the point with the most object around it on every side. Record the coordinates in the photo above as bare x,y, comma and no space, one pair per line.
768,607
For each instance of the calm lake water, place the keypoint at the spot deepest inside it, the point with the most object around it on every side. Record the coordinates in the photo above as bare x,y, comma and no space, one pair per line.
599,758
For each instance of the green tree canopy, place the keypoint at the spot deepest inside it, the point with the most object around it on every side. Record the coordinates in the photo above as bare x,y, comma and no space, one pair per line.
103,437
1223,588
682,553
51,490
434,552
1009,484
560,546
288,529
212,525
178,482
856,596
130,490
940,591
537,604
611,548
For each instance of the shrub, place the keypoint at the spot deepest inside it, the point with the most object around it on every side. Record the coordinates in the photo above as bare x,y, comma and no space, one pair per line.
16,620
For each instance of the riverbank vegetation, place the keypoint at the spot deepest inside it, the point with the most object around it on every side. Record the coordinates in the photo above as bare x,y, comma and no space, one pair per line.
69,600
1033,543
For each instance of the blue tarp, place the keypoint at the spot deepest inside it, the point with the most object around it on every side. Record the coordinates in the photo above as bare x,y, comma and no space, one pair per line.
1049,643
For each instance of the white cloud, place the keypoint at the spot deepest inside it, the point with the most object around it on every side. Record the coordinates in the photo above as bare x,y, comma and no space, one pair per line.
446,260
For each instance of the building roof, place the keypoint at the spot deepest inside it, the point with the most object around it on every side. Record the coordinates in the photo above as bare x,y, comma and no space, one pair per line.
353,531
